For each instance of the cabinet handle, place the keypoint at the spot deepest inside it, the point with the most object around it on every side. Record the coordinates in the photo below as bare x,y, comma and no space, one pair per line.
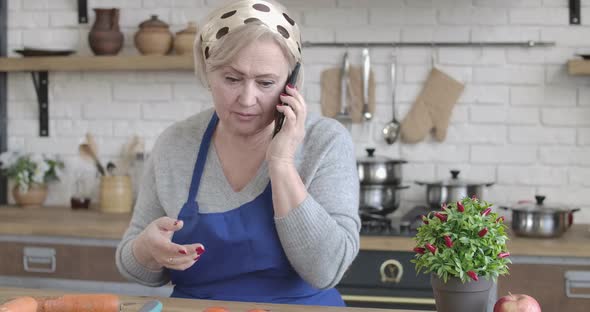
39,259
577,279
391,271
379,299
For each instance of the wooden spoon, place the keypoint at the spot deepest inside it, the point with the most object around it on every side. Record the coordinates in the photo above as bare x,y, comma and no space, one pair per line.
86,152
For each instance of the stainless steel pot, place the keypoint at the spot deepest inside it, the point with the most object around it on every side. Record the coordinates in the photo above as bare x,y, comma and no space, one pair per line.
536,219
380,198
379,169
452,190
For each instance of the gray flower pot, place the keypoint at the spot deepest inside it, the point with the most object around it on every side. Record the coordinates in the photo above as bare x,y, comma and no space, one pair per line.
454,296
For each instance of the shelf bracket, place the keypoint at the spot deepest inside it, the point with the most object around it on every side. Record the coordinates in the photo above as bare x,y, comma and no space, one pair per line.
82,12
41,84
575,12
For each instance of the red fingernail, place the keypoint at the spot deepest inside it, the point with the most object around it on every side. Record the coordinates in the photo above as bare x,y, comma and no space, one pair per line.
200,250
182,252
290,86
284,94
197,258
176,223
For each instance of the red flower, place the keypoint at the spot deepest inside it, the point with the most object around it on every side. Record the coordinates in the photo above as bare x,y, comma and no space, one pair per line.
448,241
503,255
424,219
473,197
431,248
500,219
441,216
444,206
483,232
486,212
460,207
473,275
419,250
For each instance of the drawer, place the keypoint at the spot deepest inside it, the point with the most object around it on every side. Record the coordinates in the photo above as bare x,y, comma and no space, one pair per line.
547,284
385,269
63,261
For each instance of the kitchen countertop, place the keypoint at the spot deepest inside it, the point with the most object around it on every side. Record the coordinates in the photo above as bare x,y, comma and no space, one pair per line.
65,222
133,304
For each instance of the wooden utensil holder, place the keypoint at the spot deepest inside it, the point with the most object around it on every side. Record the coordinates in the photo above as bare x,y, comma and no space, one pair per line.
116,194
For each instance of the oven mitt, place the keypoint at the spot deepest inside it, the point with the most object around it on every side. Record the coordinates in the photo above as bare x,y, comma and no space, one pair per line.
432,109
330,97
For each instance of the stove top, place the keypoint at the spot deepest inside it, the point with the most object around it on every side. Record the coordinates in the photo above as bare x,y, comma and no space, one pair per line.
405,225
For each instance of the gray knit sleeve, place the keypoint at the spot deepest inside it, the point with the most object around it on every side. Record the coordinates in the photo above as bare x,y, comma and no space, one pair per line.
321,236
150,210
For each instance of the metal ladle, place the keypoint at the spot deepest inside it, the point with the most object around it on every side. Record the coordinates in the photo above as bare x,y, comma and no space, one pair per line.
392,128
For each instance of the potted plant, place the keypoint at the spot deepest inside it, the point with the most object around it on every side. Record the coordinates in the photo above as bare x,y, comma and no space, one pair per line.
31,173
463,247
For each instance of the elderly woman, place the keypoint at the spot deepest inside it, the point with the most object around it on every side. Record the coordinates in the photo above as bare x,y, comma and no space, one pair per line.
229,211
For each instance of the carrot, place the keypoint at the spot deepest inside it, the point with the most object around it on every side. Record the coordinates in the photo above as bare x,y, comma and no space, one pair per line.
82,303
20,304
215,309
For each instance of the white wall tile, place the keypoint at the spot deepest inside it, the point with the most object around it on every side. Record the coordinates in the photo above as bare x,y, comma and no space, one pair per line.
521,120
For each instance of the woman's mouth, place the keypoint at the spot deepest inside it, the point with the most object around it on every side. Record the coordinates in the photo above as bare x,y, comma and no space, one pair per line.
245,116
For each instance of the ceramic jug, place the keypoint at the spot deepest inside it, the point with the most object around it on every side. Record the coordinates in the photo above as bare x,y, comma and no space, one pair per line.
105,38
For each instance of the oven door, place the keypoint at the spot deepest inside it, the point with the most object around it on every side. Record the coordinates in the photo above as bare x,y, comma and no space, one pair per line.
386,279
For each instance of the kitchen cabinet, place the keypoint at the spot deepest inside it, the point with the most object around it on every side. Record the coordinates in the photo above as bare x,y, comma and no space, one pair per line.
547,284
68,264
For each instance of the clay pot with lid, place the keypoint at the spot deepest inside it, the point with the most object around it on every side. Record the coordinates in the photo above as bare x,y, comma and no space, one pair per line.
184,39
154,37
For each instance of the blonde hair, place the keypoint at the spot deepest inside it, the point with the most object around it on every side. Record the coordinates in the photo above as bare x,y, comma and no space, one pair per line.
234,42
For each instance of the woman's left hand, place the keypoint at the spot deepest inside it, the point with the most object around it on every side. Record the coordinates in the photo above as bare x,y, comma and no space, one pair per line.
283,146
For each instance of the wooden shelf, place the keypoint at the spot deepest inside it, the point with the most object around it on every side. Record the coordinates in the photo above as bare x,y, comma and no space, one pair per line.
96,63
578,67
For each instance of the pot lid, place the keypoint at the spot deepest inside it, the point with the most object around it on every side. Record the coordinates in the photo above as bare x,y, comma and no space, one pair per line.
376,159
454,180
153,22
539,205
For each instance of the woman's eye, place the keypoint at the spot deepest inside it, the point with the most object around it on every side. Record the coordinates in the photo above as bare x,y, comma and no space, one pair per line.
266,84
231,79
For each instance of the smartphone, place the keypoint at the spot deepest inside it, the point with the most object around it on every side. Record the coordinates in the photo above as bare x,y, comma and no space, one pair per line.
280,117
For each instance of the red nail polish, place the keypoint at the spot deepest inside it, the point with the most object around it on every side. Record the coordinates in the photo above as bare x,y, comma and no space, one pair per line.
290,86
182,252
197,258
176,223
284,94
200,250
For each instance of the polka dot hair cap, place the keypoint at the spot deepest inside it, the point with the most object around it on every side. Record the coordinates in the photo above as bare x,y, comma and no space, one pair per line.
243,12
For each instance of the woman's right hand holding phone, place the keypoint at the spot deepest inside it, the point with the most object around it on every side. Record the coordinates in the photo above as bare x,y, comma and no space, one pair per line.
154,249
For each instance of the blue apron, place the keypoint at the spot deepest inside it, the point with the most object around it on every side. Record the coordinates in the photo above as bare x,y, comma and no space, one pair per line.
244,259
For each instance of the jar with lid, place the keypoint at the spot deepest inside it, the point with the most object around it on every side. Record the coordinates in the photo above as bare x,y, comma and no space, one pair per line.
154,37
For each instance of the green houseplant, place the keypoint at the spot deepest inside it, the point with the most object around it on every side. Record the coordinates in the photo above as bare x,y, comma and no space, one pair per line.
31,173
462,246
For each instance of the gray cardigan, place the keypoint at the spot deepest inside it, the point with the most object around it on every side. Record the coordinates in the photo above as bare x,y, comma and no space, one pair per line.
320,237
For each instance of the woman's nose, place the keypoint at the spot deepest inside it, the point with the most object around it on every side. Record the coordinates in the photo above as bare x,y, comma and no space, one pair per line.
248,94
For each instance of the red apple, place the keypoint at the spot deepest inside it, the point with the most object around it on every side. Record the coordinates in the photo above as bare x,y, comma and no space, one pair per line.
517,303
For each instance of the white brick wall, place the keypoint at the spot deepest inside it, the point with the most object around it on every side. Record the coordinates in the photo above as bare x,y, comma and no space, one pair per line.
522,120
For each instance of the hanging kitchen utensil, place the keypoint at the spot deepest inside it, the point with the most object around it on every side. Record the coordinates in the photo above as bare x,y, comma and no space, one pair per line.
537,219
343,115
391,129
367,115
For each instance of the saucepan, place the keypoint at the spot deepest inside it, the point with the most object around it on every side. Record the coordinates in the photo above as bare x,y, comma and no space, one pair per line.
453,190
373,169
537,219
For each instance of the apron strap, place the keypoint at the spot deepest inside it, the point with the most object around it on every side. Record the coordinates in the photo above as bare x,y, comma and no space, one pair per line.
202,158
